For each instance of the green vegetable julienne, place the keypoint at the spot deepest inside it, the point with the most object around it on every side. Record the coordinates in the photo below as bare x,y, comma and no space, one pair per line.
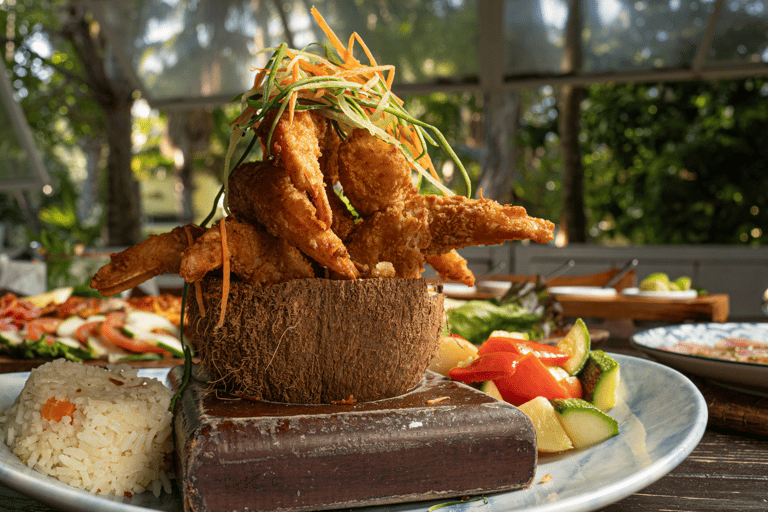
351,94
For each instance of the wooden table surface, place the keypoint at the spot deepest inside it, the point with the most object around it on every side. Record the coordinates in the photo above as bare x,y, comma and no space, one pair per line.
727,471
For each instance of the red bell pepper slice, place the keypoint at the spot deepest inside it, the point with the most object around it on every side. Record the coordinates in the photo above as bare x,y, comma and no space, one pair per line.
492,366
531,379
499,344
547,354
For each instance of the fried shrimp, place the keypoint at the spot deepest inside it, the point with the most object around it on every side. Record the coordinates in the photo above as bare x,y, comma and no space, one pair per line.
407,233
158,254
256,257
295,146
457,221
263,193
451,266
392,235
373,173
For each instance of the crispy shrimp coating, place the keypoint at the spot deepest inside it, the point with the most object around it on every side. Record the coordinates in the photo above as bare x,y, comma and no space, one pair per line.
256,257
263,193
158,254
451,266
406,234
457,221
330,140
373,173
393,235
295,146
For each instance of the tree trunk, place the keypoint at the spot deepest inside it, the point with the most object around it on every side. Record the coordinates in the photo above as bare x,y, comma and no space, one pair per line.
573,218
123,208
114,96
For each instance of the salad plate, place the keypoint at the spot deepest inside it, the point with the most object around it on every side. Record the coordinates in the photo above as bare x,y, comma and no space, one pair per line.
656,342
661,416
677,294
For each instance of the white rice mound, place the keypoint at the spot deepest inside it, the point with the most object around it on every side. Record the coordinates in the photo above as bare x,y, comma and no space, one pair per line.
118,440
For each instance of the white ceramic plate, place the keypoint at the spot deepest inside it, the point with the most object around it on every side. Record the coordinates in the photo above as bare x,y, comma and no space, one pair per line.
458,290
683,294
661,415
587,291
753,375
497,287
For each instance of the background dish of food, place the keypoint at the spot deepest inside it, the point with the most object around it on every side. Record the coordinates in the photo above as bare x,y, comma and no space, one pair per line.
658,340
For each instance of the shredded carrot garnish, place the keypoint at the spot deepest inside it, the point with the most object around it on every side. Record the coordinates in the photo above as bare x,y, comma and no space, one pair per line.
225,270
198,288
352,94
55,410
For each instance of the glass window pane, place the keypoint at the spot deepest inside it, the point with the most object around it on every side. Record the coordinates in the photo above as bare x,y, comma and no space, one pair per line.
742,33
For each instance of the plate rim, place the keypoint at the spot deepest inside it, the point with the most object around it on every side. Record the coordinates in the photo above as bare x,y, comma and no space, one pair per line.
581,502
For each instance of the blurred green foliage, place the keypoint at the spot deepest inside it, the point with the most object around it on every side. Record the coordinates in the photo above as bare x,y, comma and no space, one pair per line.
670,163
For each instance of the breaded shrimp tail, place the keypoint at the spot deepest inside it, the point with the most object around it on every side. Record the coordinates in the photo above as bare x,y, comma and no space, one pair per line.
158,254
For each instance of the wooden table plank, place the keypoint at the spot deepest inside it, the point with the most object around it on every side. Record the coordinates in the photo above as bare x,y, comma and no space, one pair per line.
707,308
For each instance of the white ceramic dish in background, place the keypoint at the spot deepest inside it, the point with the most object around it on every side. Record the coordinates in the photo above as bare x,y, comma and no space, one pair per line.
754,375
682,294
458,290
585,291
661,415
495,287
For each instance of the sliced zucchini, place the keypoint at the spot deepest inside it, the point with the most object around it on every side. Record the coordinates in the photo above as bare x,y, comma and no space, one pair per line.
600,380
68,326
166,342
550,434
137,320
490,388
577,344
11,338
584,423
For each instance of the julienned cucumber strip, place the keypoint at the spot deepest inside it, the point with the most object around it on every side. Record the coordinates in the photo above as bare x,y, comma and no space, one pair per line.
584,423
600,380
576,343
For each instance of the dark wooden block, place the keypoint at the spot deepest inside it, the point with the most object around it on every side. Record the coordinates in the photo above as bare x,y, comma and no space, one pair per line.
441,440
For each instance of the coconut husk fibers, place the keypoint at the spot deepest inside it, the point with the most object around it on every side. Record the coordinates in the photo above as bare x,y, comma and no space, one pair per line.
318,340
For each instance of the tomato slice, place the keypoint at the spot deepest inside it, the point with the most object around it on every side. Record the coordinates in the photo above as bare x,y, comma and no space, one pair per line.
572,384
531,379
111,330
39,327
87,329
486,367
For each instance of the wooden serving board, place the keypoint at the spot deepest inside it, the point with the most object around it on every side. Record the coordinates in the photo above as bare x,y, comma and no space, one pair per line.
441,440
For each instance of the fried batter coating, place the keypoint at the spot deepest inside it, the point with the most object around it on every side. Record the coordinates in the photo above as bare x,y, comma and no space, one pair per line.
406,234
451,266
263,193
393,235
256,257
158,254
330,140
457,221
373,173
295,146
